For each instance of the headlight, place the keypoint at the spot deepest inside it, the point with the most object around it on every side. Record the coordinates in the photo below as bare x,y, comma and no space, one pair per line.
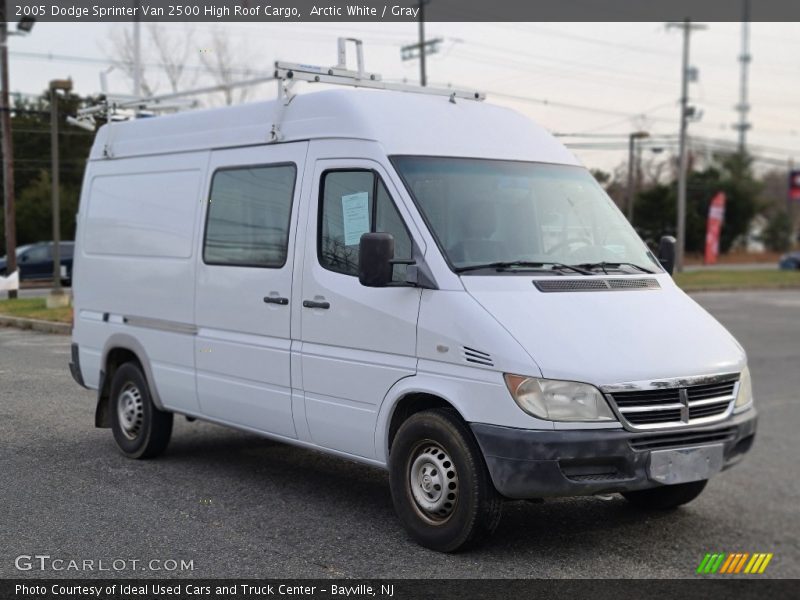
558,400
745,395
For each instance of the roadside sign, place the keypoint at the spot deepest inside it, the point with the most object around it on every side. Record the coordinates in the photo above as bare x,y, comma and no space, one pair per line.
794,185
716,216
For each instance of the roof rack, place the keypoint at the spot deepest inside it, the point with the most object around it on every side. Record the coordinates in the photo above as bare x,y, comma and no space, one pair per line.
340,75
287,75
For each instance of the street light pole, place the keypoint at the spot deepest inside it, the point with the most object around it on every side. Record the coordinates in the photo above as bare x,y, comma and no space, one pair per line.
57,296
631,192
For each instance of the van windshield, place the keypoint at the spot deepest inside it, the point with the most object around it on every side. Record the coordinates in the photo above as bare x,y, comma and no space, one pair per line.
492,215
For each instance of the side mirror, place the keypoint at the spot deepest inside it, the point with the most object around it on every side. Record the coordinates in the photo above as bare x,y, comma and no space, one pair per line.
375,255
666,253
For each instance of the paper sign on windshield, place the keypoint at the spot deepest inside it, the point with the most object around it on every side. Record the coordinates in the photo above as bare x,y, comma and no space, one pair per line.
355,213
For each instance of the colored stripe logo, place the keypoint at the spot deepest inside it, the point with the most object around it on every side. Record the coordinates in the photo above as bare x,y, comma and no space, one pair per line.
734,563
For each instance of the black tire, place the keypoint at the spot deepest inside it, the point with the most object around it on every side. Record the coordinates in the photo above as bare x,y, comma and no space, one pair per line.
140,429
439,441
667,496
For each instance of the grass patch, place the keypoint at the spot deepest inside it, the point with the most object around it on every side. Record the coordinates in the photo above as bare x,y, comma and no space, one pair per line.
34,308
737,280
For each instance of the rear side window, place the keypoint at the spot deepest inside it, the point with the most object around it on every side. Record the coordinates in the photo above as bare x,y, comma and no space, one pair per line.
248,216
353,203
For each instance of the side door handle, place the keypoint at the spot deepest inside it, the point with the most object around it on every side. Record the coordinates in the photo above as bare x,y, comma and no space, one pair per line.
276,300
316,304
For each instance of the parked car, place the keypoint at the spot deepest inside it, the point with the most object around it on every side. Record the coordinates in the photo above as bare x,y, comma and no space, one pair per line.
427,284
35,262
790,261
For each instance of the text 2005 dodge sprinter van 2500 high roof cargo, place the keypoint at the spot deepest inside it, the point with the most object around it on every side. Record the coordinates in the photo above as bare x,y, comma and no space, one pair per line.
426,284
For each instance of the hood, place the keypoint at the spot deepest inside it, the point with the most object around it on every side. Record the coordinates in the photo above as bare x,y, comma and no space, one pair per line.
609,336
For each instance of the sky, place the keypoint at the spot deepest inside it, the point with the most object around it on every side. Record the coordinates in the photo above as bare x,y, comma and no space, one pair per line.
600,80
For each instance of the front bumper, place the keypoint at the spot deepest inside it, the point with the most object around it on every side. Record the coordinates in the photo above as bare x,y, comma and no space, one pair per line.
525,463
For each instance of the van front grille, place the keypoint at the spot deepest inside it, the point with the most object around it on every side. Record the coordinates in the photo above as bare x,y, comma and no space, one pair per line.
676,406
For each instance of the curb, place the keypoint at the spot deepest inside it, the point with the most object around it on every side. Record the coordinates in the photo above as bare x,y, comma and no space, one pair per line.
36,325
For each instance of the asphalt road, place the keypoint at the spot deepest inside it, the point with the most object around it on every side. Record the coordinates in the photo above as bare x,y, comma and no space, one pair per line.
241,506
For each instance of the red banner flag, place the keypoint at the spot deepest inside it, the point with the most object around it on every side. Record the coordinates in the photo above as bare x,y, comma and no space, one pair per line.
716,215
794,185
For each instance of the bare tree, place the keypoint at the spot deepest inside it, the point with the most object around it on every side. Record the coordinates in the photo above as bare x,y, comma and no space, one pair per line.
173,53
165,57
218,59
120,49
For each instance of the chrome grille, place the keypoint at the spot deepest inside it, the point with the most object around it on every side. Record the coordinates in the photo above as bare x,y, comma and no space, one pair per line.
675,406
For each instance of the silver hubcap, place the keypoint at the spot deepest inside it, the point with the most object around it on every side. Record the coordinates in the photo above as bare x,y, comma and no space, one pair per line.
130,409
433,481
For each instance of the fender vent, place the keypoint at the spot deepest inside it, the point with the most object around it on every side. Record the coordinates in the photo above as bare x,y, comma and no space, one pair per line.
595,285
476,356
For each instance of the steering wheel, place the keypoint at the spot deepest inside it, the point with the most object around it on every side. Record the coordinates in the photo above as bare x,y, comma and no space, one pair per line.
568,242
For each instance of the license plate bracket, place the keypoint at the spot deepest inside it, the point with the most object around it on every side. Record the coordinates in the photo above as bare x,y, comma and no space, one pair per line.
682,465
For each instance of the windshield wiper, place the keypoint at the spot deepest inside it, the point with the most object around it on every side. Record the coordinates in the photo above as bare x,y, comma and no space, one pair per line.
523,264
612,265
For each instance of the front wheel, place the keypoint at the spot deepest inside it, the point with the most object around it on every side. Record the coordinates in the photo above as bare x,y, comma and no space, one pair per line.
667,496
140,429
441,487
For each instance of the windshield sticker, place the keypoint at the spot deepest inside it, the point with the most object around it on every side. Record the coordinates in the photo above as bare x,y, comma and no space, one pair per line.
355,213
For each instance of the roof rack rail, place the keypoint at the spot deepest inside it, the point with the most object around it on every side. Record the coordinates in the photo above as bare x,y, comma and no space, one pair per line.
340,75
286,74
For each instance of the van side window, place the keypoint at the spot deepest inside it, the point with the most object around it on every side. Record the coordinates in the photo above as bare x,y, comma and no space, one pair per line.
248,216
353,203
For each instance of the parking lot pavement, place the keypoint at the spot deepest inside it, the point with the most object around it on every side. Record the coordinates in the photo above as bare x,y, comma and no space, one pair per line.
241,506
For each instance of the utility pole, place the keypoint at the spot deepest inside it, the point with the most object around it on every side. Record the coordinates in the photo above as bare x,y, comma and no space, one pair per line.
8,153
422,48
632,167
743,108
687,27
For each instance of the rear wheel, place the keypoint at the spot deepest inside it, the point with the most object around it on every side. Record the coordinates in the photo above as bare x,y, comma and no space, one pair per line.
667,496
140,429
441,488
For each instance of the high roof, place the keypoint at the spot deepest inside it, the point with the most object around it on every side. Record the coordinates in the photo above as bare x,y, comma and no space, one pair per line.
402,122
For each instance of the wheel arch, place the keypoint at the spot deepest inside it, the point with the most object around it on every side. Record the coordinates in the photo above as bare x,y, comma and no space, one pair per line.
119,349
408,396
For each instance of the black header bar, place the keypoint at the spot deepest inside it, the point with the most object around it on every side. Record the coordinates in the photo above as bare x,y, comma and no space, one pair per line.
271,11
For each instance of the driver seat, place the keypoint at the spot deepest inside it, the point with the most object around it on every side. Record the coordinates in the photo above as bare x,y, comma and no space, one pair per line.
478,224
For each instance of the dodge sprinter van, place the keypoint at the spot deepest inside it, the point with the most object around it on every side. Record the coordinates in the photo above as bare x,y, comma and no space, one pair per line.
426,284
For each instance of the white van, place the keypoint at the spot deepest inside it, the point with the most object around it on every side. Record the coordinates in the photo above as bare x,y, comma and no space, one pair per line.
430,285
